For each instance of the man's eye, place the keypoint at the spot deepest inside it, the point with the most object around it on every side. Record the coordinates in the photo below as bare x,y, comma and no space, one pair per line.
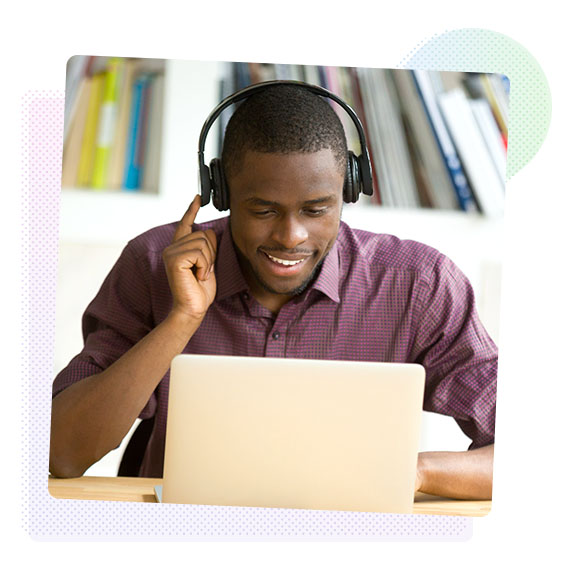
317,212
263,213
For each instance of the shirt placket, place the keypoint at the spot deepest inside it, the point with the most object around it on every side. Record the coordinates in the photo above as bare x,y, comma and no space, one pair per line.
277,337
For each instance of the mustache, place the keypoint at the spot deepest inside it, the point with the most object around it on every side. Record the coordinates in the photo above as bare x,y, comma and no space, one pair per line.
283,250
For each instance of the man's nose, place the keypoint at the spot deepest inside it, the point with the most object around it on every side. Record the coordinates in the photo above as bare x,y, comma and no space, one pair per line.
290,232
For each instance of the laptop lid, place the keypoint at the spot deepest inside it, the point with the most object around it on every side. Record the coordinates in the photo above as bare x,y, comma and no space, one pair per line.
307,434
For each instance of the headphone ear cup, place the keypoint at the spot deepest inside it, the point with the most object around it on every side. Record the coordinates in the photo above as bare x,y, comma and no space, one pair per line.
352,184
204,184
218,183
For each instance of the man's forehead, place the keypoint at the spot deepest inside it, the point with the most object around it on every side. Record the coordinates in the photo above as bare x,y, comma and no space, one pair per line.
250,159
256,200
270,165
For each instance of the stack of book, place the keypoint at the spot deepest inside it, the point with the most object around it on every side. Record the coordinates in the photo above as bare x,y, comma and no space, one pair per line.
113,123
436,139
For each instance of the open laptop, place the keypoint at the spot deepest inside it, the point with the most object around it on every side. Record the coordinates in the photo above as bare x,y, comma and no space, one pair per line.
292,433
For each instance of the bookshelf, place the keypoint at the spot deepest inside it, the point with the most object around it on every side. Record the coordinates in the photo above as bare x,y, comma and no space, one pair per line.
190,91
106,216
107,219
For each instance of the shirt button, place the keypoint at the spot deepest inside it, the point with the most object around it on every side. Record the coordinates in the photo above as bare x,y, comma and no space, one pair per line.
275,335
246,296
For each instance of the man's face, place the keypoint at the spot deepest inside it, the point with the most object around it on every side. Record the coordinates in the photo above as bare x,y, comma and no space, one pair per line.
284,215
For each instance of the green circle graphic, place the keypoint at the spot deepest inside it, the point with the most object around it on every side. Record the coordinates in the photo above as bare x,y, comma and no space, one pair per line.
484,51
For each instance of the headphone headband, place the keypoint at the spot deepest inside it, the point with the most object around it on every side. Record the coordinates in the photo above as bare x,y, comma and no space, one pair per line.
363,159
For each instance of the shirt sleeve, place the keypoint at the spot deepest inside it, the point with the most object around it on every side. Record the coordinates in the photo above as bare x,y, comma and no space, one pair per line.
117,318
459,356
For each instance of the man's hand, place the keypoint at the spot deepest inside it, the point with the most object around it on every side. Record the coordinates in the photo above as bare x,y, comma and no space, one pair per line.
90,417
189,262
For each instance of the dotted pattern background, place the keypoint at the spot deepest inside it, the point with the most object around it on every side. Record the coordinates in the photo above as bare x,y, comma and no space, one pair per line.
477,50
47,518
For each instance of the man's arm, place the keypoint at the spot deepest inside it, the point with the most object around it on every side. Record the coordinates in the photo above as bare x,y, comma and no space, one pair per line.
91,417
460,361
462,475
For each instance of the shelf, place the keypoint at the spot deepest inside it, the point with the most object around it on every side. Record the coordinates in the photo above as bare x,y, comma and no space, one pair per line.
191,91
113,217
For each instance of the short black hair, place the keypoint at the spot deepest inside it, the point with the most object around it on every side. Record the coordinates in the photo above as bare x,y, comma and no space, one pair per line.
283,119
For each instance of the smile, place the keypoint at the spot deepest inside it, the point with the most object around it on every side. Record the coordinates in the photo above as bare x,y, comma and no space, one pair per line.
284,262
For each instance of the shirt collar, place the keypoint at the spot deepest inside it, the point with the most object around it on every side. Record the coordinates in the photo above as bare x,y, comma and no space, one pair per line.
328,280
230,279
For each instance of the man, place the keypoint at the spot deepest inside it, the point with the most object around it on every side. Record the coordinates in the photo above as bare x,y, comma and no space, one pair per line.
281,277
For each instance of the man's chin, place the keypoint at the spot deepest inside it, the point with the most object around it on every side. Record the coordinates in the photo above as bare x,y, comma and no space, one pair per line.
279,287
291,289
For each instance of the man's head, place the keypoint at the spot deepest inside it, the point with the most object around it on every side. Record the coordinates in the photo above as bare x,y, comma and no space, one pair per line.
284,158
283,119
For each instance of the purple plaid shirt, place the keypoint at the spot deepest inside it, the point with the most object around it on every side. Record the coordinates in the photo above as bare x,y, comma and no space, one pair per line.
376,298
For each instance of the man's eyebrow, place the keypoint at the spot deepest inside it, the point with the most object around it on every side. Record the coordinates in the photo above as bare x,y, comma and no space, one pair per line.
256,201
326,199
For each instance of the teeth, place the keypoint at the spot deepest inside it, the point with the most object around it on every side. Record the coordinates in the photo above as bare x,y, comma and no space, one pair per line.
284,262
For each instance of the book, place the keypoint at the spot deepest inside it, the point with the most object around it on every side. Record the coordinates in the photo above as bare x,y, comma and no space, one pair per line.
289,72
485,180
76,72
454,166
133,155
85,168
388,144
260,72
338,83
72,144
311,75
368,93
226,88
116,167
359,109
241,74
439,189
150,181
495,89
409,197
143,132
107,123
491,134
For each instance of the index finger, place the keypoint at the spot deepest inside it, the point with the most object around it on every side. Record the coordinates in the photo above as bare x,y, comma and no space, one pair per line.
185,225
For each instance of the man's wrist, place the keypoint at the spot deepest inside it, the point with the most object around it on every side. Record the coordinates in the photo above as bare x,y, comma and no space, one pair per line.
182,325
421,470
456,474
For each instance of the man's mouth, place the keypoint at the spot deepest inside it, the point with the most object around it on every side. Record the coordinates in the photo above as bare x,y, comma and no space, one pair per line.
284,262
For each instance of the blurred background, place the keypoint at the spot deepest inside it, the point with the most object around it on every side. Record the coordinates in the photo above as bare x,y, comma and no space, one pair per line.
437,141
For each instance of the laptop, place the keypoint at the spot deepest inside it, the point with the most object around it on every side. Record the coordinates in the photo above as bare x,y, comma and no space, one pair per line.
292,433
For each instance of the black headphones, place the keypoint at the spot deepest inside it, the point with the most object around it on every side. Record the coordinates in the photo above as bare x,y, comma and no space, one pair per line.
358,173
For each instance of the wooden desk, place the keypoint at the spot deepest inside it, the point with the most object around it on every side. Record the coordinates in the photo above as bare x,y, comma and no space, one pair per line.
141,490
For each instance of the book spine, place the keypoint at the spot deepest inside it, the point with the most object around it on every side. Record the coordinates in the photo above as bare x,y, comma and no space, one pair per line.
154,136
455,168
473,151
72,146
85,168
106,125
143,132
131,179
116,168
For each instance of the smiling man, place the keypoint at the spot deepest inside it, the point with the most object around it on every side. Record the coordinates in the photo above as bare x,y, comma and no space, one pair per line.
282,235
282,276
